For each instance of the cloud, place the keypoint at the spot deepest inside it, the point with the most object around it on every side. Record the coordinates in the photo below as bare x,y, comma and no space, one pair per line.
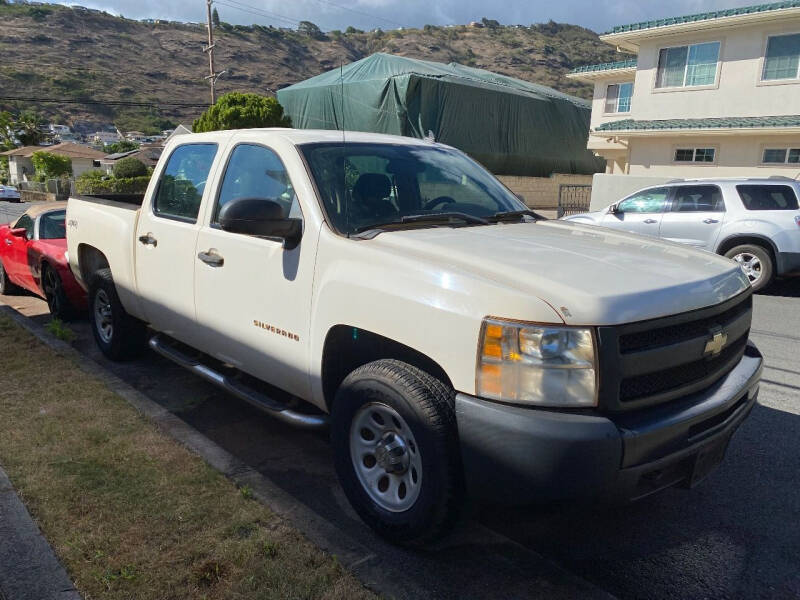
599,15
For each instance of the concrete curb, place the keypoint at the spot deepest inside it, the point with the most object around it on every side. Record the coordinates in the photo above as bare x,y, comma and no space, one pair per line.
29,569
357,558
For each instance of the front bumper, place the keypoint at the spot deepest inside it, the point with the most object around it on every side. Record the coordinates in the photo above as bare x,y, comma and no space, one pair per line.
518,455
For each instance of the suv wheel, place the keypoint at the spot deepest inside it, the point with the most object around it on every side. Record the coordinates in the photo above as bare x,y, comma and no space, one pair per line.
756,263
396,451
118,335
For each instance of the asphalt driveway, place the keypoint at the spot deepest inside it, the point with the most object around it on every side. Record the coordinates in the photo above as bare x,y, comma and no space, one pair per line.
735,536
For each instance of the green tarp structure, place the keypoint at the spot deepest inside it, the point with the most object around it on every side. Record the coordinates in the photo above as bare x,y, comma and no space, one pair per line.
511,126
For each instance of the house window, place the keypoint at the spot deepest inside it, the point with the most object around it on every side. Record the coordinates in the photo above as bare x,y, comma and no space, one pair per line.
782,60
781,156
685,66
618,98
96,164
696,155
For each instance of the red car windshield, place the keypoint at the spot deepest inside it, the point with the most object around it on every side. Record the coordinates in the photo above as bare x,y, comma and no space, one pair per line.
52,225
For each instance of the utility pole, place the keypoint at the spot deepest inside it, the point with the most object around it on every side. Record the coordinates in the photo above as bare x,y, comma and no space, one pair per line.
212,74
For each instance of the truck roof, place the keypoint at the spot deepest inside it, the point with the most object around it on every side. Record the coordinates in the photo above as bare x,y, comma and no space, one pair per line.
305,136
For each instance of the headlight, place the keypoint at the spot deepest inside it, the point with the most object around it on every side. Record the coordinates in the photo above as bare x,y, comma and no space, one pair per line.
536,364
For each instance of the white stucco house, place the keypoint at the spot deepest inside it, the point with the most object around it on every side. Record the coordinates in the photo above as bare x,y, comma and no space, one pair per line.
20,160
707,95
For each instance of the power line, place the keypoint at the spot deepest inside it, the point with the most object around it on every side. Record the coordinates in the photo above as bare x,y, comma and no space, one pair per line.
359,12
138,104
254,10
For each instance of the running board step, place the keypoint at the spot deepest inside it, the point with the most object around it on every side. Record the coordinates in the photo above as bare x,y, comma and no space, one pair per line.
277,409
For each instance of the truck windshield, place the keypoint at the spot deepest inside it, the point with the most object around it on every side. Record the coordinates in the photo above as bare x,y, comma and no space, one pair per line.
363,185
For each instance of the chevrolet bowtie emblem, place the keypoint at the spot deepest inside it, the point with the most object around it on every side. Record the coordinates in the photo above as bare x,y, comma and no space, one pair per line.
717,342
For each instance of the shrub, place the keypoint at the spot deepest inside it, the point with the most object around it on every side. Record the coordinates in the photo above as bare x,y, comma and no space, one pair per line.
241,111
93,182
51,166
129,167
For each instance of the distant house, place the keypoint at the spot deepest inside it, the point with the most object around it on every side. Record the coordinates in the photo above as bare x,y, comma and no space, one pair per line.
149,155
20,160
105,137
179,130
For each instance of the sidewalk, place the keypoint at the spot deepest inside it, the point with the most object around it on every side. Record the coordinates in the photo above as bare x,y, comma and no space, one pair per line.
29,569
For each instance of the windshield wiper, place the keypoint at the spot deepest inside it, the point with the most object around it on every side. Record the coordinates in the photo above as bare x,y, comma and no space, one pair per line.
434,218
515,215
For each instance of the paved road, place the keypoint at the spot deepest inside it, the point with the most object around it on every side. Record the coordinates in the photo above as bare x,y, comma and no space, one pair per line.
735,536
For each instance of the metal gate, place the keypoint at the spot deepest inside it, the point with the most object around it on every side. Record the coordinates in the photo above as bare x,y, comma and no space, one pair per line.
573,198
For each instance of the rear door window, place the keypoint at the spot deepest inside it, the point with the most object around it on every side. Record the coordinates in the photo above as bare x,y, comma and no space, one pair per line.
767,197
180,189
698,198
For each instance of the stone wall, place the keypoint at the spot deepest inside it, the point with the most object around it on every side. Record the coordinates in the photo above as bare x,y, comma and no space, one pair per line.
542,192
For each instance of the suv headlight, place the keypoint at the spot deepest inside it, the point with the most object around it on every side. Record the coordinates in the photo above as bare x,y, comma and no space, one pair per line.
537,364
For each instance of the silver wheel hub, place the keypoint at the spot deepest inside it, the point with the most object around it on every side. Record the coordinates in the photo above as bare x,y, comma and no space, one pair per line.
103,316
750,265
385,457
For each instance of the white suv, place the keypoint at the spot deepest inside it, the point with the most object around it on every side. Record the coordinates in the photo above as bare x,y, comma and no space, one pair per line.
756,222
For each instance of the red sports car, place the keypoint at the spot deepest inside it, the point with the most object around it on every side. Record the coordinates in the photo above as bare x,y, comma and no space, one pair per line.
33,256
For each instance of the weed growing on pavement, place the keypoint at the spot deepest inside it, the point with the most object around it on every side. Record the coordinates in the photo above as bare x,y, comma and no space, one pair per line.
60,330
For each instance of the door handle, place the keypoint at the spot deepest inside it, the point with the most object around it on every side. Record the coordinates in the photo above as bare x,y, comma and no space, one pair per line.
211,258
650,221
9,243
710,221
148,240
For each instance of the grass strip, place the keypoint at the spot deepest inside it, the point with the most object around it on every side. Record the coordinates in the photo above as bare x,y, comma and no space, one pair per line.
130,512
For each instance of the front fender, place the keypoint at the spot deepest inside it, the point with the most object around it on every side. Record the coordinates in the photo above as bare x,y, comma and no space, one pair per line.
434,310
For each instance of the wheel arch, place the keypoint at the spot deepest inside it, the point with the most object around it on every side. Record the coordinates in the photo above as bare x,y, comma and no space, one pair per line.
347,347
750,238
90,260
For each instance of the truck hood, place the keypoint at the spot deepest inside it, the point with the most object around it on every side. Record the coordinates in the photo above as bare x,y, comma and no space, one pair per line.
589,275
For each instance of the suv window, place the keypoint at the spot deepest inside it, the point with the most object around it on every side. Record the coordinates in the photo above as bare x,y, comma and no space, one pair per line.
698,198
26,223
767,197
256,172
180,189
646,201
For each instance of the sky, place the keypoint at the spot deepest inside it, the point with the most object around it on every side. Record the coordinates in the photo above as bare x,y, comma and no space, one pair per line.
599,15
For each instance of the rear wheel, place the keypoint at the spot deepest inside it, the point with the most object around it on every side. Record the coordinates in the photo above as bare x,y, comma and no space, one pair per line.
6,287
755,262
54,293
396,451
118,335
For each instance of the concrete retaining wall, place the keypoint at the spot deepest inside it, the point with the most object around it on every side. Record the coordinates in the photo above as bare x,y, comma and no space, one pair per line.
607,189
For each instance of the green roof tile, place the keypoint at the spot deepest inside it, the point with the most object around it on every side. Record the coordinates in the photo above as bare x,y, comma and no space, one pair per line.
711,123
609,66
707,16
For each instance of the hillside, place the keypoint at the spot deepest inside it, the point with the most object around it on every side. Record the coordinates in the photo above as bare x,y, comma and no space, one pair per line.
72,54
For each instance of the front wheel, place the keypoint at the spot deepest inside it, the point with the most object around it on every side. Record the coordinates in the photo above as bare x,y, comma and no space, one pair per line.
118,335
6,287
756,263
396,451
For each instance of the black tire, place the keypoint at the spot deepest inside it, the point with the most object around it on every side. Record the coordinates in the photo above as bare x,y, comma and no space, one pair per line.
127,336
767,270
426,405
57,301
6,287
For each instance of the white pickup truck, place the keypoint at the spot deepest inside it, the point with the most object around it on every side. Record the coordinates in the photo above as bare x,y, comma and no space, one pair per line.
455,343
